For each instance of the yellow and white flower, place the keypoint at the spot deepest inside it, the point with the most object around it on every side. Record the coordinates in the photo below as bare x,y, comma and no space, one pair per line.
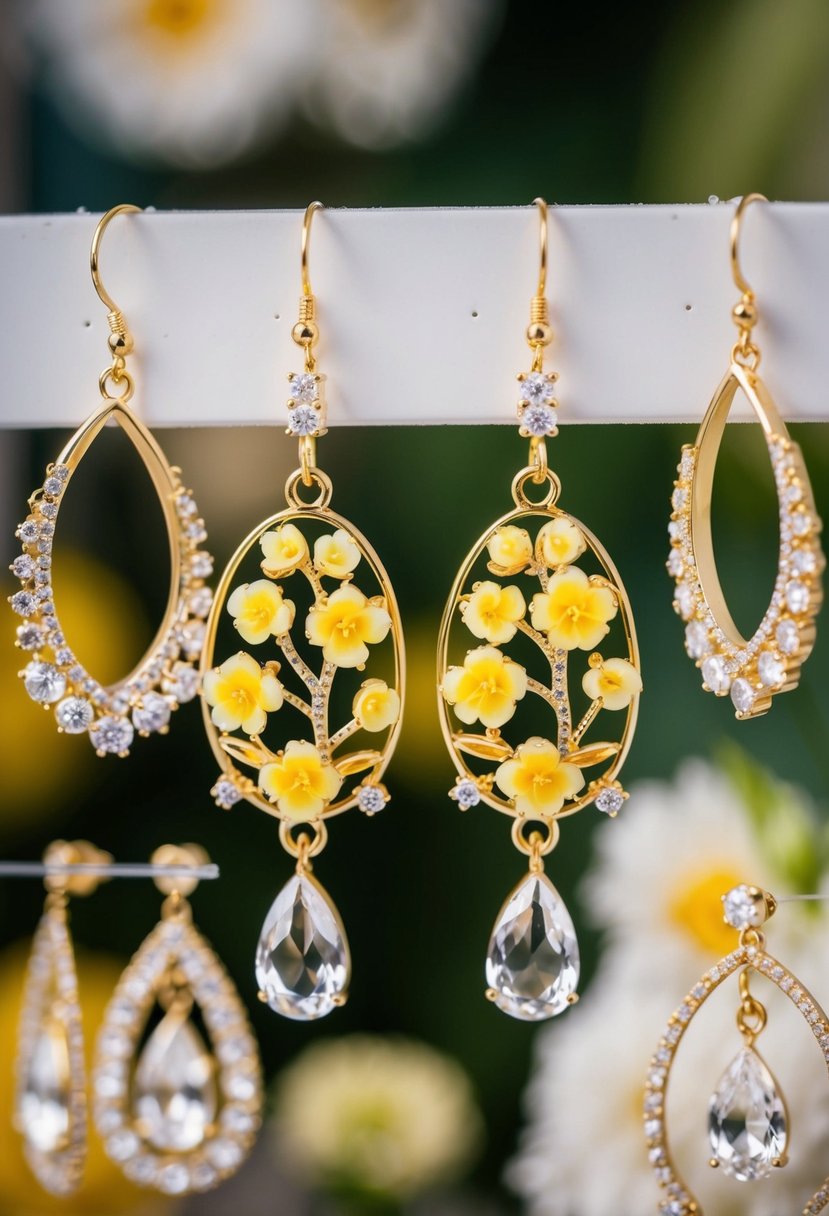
242,694
345,624
560,542
573,611
336,554
510,548
616,681
285,548
537,780
300,782
260,611
486,688
491,612
376,706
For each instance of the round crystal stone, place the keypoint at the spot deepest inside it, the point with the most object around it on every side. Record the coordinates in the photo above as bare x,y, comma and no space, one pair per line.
685,602
173,1179
23,603
788,637
225,794
610,801
44,683
679,499
537,389
28,531
23,566
743,909
201,565
715,675
801,523
112,734
200,601
675,563
696,639
743,695
804,561
30,637
304,420
192,639
771,669
370,799
466,793
152,714
182,682
74,715
797,596
539,420
303,388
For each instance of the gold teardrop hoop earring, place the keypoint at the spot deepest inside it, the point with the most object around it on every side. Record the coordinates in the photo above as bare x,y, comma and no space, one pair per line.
751,670
143,701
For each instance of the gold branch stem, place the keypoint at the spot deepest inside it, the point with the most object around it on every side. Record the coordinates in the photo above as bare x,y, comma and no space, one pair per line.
558,698
307,568
542,691
298,664
586,720
345,732
297,702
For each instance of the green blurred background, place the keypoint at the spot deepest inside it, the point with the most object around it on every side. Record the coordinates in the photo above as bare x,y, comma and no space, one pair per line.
644,103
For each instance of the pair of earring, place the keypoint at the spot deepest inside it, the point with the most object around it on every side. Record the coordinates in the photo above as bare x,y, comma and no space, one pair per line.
172,1113
748,1120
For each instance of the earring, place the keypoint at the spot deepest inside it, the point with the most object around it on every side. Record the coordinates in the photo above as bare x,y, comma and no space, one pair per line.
50,1105
165,677
748,1123
288,718
752,671
523,645
181,1119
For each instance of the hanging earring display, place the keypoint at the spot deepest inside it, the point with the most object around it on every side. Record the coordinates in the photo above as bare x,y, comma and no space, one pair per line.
748,1122
172,1113
50,1105
166,676
537,593
310,707
752,671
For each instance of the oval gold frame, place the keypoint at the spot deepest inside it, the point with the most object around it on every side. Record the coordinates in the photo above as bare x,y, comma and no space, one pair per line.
710,631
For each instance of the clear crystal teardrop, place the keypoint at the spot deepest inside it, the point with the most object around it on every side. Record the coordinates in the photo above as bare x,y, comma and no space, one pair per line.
303,966
43,1100
532,965
747,1119
174,1089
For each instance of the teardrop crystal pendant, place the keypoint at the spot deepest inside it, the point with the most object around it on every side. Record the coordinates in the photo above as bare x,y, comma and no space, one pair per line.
303,964
186,1117
532,965
50,1103
748,1125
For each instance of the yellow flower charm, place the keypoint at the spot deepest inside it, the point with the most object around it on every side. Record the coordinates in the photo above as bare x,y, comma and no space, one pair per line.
510,549
491,612
284,550
486,688
336,555
241,694
573,612
343,623
616,681
537,780
300,782
259,611
376,706
560,542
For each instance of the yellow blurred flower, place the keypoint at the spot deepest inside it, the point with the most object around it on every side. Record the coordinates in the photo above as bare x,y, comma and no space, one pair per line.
376,706
259,611
284,550
300,782
560,542
537,780
241,694
486,688
384,1116
573,612
492,610
510,548
616,681
336,555
343,623
104,1188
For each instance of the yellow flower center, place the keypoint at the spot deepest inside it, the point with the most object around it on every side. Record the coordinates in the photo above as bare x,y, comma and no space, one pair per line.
302,780
243,697
611,681
697,909
574,612
178,18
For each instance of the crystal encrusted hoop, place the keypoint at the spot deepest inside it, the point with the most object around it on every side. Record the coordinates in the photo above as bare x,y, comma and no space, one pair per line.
167,675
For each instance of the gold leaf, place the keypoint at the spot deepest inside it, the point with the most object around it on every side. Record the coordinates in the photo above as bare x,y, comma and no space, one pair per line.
357,762
248,751
483,747
594,753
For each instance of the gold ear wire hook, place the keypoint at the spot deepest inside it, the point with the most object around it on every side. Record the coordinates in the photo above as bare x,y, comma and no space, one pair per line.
120,339
541,204
744,312
310,211
305,333
94,254
736,224
539,333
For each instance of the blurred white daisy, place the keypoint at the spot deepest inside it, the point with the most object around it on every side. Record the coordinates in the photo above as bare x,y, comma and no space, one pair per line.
389,69
384,1116
664,864
584,1152
189,82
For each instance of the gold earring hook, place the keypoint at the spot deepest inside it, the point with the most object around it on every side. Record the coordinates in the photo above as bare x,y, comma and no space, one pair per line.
736,225
310,211
94,255
541,204
539,333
